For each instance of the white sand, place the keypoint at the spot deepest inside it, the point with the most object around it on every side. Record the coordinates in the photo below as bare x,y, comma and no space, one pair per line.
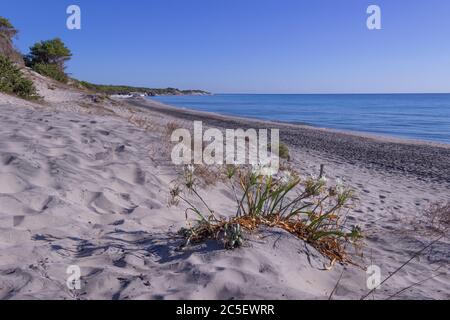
83,186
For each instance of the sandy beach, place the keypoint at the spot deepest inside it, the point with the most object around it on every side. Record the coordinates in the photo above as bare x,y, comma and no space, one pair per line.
87,183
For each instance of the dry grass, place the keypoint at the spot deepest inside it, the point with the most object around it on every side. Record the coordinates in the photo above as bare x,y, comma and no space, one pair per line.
438,217
209,175
330,247
171,127
141,122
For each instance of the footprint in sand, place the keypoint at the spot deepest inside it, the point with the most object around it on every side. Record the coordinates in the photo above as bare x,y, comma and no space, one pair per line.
8,159
17,220
109,202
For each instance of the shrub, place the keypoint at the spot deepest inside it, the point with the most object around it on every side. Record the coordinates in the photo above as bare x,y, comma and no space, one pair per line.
283,151
307,209
51,71
12,80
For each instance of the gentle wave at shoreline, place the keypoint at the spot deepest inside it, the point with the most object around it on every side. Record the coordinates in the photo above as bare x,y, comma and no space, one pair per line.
414,116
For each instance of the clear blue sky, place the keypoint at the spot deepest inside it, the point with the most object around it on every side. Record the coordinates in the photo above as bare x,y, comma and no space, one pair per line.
255,46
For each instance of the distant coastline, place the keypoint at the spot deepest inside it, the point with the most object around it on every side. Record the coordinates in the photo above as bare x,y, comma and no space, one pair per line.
123,90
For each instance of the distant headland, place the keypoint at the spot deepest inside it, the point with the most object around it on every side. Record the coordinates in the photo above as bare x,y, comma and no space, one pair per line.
138,91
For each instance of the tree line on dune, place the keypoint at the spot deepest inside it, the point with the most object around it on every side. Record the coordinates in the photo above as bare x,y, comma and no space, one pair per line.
49,58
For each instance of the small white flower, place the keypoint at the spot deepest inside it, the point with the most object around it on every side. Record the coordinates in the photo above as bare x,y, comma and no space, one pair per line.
286,177
339,186
261,170
256,169
268,171
190,168
323,180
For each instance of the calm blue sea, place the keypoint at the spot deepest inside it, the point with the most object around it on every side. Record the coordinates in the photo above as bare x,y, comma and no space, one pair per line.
416,116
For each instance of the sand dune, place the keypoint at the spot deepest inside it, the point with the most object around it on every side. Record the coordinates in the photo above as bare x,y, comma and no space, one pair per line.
88,186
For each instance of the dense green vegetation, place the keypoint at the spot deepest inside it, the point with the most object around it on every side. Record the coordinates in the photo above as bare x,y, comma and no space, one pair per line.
117,89
48,58
51,71
50,52
12,80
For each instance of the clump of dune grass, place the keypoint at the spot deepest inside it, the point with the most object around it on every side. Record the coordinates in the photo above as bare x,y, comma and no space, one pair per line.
171,127
141,122
208,175
283,151
308,209
438,217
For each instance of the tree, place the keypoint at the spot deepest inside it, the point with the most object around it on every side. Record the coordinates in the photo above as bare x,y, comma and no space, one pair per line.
7,33
7,29
52,52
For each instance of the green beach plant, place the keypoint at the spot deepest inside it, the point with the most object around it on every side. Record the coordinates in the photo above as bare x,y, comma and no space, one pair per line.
306,208
283,151
12,80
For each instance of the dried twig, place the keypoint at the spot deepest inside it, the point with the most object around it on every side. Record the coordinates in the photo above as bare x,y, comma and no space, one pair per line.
414,284
402,266
336,286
